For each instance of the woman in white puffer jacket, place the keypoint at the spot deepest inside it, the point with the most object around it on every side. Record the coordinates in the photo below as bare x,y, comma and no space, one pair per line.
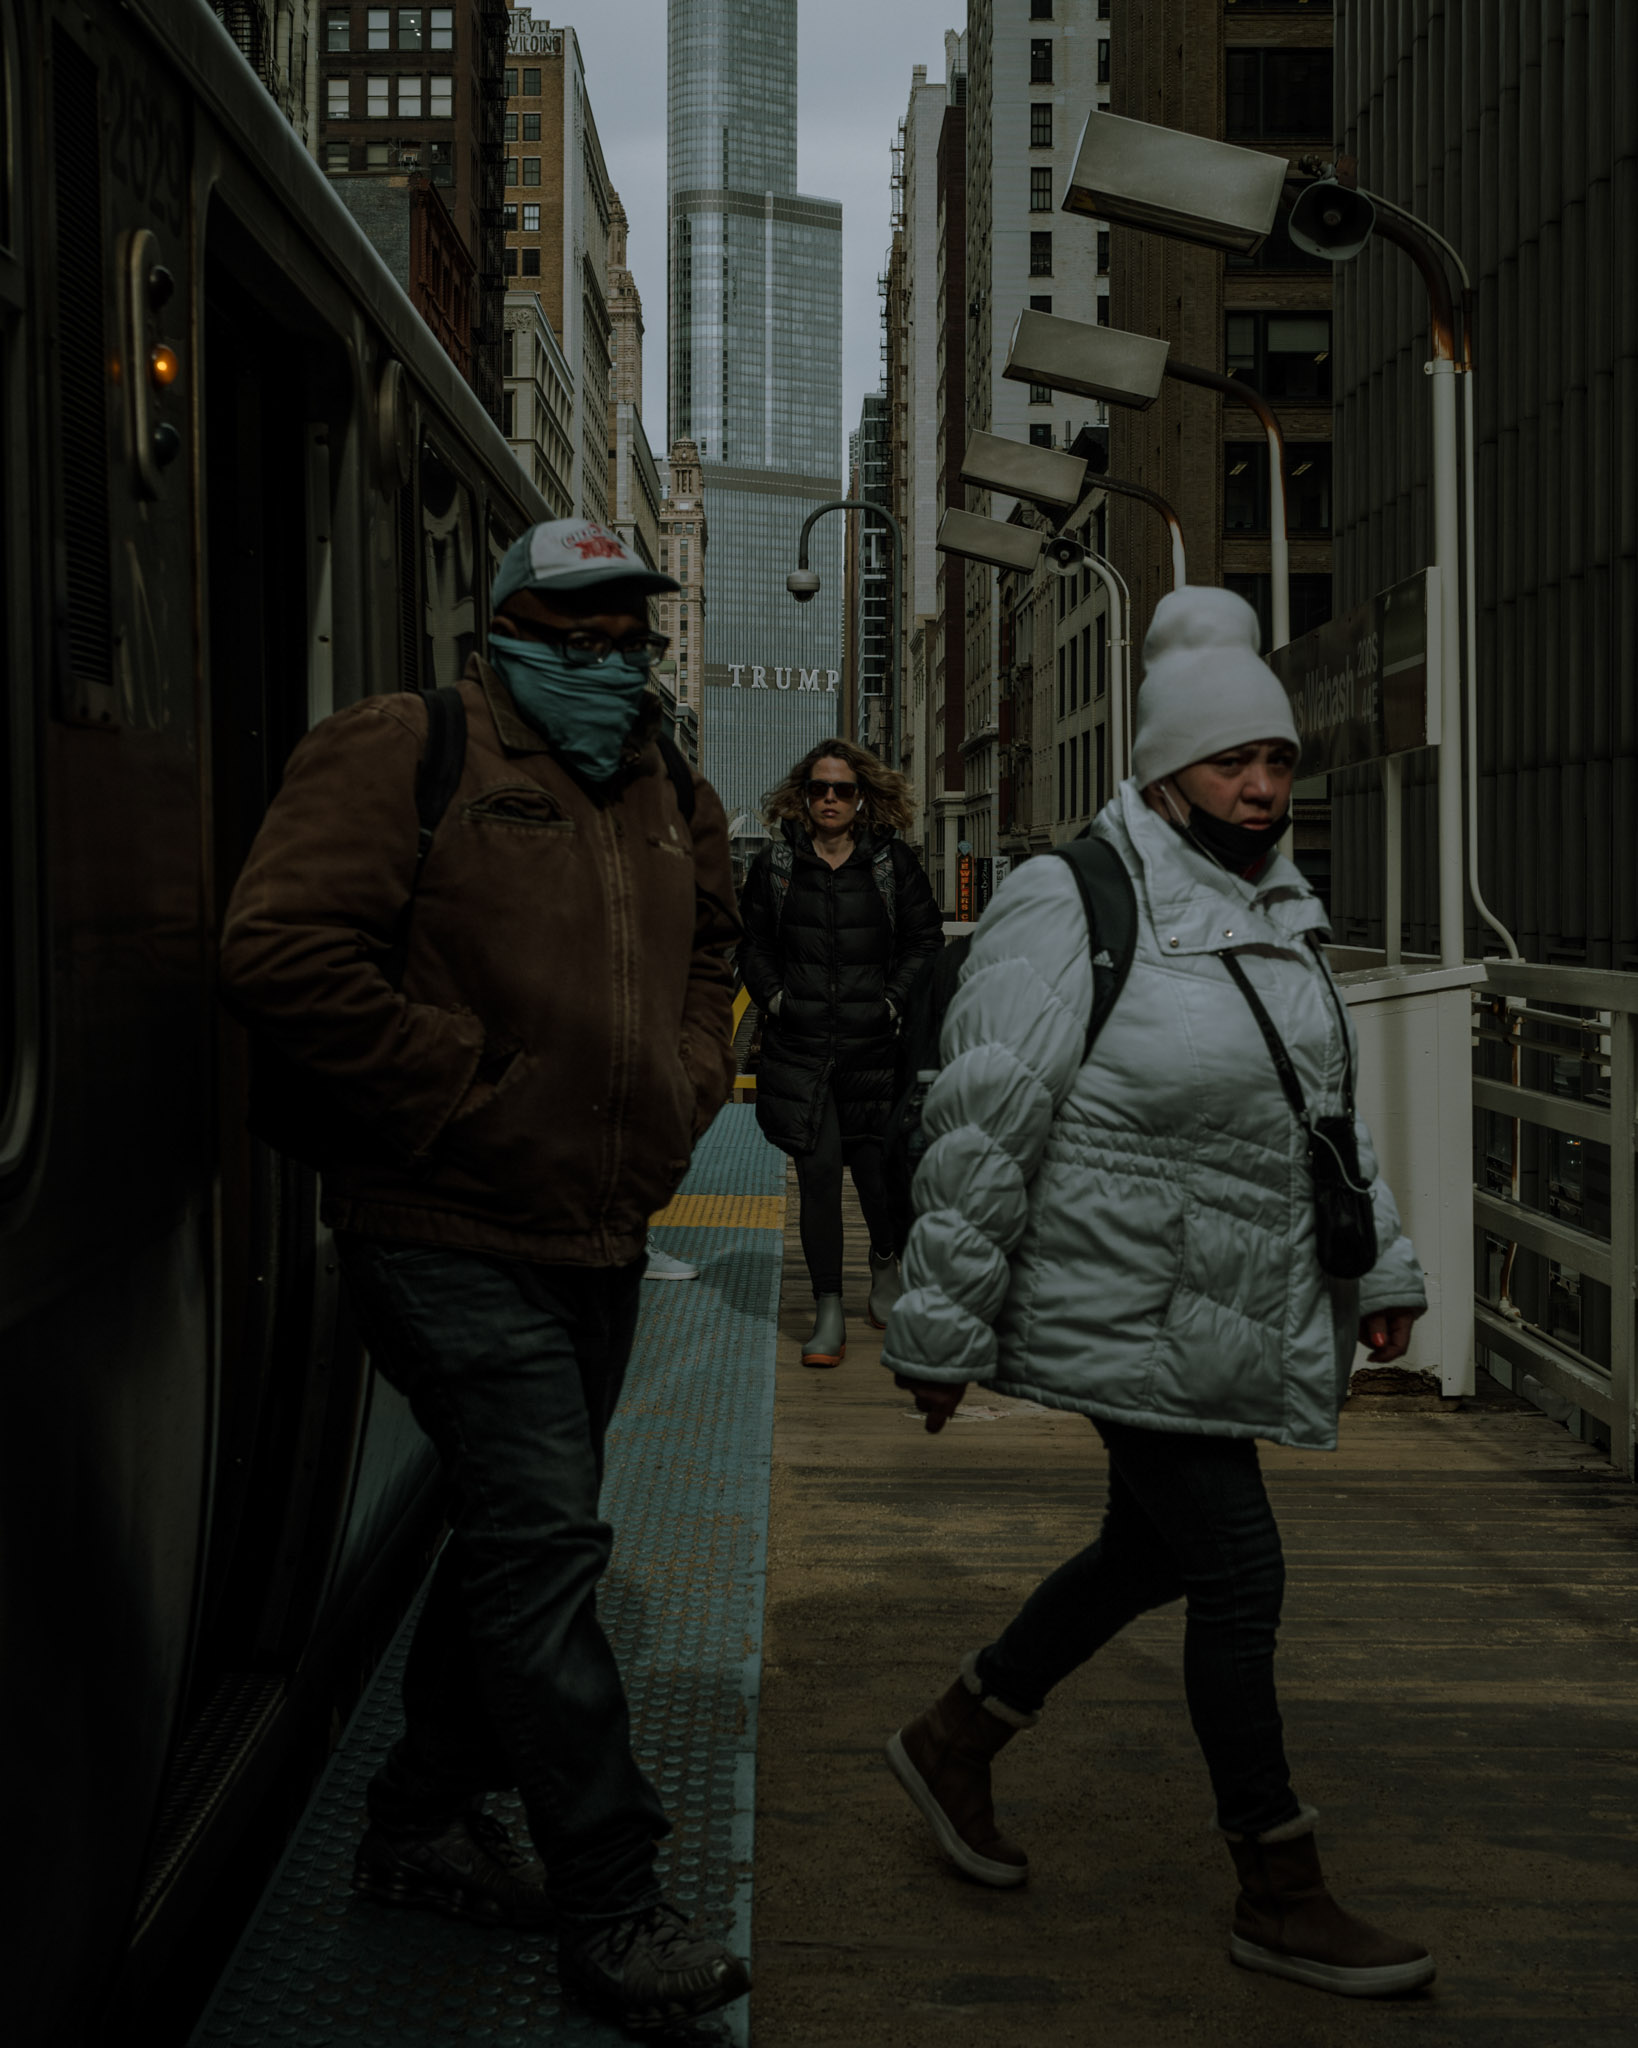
1131,1235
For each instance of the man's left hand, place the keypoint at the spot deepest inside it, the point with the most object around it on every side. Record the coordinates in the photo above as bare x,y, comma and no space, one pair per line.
1386,1333
938,1400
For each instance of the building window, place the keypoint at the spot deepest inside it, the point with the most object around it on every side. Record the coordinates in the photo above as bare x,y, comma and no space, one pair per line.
409,28
1061,812
1103,252
441,103
338,32
1310,601
378,156
338,98
531,127
531,170
409,97
336,157
378,98
1103,60
1103,309
511,85
1040,189
1040,60
1086,771
1248,500
531,218
510,219
508,414
1040,394
1103,767
511,263
1040,436
511,170
1040,125
1278,95
442,35
1282,355
378,24
531,263
531,82
511,130
1040,302
1278,251
1040,252
1040,10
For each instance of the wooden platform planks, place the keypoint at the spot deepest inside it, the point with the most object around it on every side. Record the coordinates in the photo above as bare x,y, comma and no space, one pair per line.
1458,1669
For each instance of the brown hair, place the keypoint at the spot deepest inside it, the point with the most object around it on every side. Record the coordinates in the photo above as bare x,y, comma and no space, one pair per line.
884,794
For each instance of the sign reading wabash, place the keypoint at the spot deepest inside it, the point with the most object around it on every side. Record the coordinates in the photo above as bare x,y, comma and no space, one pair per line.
1367,684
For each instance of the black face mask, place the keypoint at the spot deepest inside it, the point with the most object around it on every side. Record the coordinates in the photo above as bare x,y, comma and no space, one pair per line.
1237,847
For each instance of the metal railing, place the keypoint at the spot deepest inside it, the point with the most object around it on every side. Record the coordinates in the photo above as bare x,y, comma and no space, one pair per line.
1554,1075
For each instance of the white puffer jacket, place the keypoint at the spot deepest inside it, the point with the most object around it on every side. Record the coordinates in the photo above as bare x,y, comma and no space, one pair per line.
1134,1238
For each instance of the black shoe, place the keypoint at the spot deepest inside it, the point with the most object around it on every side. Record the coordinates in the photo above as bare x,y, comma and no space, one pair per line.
651,1972
469,1867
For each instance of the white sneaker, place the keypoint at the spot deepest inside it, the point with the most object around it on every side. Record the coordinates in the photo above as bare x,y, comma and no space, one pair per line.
662,1266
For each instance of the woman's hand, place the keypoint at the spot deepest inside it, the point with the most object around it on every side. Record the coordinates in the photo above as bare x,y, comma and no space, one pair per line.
938,1400
1386,1333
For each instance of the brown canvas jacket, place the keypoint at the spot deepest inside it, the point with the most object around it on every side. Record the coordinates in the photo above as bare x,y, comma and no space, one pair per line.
563,1034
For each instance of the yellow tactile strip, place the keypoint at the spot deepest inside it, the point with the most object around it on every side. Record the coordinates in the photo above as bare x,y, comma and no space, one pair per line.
720,1212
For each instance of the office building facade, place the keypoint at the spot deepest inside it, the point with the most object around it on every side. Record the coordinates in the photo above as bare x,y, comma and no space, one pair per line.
755,383
683,539
1514,132
1033,74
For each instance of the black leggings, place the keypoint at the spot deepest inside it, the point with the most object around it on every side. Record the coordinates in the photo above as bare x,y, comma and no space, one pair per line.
819,1177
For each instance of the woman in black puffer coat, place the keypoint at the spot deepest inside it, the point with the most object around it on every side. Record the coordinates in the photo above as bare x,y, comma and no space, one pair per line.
838,920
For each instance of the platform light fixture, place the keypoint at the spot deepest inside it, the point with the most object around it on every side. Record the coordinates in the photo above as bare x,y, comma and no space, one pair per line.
1041,476
1169,183
1095,362
996,541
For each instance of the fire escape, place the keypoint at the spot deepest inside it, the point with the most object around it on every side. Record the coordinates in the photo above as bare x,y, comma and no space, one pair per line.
493,21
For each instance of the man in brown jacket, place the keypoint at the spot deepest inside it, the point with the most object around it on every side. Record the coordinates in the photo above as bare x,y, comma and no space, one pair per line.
514,1088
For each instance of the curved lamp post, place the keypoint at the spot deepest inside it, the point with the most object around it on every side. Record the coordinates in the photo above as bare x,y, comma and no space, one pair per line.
803,583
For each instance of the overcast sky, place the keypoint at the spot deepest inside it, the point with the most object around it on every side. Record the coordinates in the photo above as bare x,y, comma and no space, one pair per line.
853,83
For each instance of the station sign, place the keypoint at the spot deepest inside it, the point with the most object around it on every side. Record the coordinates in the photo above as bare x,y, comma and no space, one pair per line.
1367,685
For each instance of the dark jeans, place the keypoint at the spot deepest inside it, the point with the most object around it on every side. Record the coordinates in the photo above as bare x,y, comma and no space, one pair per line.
514,1371
1188,1516
819,1180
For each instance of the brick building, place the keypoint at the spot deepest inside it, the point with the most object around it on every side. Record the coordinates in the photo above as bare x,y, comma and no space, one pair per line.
682,618
635,488
409,122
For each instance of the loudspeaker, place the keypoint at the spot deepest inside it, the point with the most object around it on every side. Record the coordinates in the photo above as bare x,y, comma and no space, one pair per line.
1329,220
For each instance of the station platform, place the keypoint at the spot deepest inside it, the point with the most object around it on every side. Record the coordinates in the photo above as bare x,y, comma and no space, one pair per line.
798,1567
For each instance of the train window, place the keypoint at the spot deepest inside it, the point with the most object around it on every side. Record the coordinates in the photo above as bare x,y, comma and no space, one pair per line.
449,550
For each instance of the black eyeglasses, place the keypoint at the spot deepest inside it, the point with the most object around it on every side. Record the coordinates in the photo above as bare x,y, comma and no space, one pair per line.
847,791
584,648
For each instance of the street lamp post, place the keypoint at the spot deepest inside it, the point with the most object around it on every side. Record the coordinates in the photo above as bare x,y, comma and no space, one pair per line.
803,585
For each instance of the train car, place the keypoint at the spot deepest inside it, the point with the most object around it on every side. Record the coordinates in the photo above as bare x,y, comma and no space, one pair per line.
242,486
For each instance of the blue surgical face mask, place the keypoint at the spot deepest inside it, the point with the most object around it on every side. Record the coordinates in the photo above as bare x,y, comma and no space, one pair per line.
586,711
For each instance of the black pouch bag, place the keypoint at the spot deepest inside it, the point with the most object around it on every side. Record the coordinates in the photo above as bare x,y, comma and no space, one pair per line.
1344,1220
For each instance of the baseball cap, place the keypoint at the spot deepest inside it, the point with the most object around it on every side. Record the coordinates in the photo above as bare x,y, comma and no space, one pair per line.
572,554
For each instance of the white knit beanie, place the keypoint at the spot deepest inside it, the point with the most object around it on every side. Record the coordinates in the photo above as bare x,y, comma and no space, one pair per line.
1205,688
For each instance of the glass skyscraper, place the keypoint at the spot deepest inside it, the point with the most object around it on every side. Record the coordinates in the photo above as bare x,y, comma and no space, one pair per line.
755,335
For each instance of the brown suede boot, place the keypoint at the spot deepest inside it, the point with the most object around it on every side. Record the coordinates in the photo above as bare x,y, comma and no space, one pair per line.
1286,1921
942,1759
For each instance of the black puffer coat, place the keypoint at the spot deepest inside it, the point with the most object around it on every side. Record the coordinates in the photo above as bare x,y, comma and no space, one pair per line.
839,959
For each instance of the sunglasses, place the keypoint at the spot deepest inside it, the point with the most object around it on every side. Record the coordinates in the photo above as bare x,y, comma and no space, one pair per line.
584,647
847,791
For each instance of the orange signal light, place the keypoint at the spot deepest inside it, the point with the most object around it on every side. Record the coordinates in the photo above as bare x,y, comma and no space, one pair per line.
164,365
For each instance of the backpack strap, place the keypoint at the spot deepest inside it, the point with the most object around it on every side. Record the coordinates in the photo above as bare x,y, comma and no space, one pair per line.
682,777
437,777
1110,903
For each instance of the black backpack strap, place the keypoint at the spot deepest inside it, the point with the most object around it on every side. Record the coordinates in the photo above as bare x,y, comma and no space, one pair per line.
1272,1039
1110,903
437,777
682,776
